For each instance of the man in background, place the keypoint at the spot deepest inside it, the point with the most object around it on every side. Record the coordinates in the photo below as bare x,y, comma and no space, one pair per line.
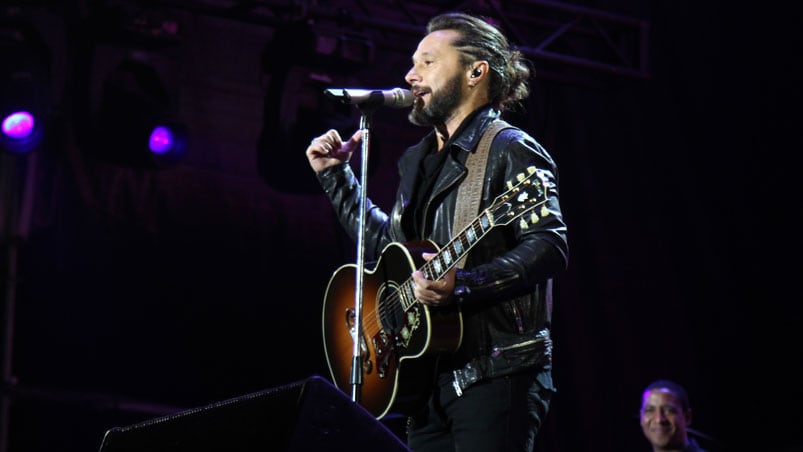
666,416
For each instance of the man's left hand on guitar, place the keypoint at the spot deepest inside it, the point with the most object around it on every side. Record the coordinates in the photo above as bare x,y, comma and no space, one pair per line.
433,293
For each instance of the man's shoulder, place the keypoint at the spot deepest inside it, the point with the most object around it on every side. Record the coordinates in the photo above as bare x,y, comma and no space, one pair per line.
515,139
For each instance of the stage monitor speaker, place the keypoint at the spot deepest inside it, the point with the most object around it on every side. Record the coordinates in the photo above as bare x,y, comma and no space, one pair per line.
308,415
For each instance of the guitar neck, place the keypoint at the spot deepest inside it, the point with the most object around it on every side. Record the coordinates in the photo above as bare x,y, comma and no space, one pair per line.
449,255
529,192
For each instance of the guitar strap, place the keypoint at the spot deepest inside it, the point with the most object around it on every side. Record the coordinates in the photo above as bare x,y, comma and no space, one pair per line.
469,193
535,353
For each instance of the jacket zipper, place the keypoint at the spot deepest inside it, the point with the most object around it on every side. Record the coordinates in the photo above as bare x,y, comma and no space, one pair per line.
542,336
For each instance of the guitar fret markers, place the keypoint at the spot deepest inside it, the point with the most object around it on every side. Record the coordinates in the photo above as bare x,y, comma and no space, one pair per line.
408,297
485,222
438,268
470,235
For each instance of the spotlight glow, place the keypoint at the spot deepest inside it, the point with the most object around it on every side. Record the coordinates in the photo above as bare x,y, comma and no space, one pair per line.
161,140
18,125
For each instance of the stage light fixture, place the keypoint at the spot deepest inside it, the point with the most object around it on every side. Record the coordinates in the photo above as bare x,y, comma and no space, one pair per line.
23,88
18,125
136,127
161,140
167,143
20,132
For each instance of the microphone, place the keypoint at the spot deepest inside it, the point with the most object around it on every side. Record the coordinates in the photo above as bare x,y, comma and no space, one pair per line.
394,97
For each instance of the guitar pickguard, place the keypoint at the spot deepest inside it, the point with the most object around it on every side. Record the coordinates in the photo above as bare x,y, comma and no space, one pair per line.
397,327
400,323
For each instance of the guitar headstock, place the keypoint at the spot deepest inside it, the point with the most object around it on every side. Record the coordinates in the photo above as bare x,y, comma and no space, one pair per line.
528,192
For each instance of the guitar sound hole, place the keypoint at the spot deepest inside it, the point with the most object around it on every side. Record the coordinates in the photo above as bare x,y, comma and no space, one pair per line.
390,311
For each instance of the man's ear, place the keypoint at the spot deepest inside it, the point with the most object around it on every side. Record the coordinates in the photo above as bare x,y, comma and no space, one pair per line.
478,71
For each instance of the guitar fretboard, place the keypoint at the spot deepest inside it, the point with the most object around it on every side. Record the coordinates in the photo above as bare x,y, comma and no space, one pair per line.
519,199
449,255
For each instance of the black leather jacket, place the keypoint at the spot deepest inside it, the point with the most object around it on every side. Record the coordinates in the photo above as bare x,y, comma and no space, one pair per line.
504,291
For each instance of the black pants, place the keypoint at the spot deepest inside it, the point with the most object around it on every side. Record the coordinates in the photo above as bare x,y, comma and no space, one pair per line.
498,415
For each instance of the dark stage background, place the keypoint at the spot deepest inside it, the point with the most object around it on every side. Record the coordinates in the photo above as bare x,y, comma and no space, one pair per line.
143,291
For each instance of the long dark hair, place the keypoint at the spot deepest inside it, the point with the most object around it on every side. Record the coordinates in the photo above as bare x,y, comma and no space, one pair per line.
480,40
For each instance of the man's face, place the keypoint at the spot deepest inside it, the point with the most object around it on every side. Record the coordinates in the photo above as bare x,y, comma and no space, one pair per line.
663,420
436,79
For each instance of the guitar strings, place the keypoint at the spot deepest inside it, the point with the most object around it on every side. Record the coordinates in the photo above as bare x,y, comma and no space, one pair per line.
453,251
401,300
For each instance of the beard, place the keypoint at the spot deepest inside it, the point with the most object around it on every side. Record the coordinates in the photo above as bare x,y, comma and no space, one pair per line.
441,106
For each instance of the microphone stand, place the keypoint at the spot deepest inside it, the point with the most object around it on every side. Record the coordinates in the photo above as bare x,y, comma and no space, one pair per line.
366,109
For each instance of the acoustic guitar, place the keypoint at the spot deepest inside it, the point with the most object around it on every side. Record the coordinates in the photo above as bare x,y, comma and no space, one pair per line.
400,337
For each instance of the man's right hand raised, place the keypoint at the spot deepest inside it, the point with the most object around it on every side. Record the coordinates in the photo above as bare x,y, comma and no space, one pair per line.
329,149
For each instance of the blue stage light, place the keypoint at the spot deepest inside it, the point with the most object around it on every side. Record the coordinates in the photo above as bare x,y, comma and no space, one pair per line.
167,143
161,140
24,87
20,132
135,118
18,125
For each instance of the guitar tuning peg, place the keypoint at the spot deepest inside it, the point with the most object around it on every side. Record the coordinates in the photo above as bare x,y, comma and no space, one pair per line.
523,224
544,211
509,185
531,170
520,177
534,218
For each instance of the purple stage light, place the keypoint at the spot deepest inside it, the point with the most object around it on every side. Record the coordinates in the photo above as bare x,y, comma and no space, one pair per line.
161,140
167,144
18,125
